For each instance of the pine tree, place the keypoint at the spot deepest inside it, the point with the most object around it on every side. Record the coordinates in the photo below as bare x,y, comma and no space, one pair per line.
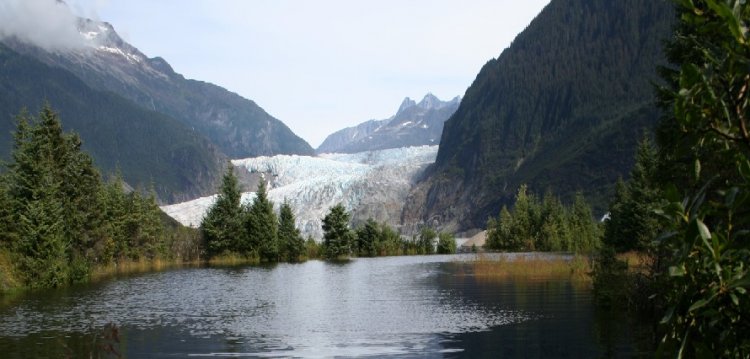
37,201
367,236
290,240
262,226
521,231
633,222
583,227
336,233
222,226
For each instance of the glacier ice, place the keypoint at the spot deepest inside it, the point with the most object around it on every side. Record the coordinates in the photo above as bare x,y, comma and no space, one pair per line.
371,184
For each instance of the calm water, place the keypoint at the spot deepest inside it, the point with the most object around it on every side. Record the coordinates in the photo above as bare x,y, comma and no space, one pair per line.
383,307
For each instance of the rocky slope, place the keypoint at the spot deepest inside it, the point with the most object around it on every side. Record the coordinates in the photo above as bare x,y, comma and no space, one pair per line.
414,124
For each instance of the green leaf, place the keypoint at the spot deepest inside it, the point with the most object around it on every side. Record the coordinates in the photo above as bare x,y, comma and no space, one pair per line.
735,300
699,304
668,316
697,169
675,271
703,230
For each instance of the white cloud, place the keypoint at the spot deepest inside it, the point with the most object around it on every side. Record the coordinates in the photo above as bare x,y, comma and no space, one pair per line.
46,23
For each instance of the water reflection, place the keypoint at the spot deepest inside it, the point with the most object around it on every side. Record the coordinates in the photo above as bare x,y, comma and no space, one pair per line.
400,306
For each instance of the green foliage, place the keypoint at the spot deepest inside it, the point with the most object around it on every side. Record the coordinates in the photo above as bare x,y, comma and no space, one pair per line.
427,240
337,236
561,108
58,218
446,243
545,226
222,226
291,243
633,223
145,145
312,248
262,227
368,236
705,152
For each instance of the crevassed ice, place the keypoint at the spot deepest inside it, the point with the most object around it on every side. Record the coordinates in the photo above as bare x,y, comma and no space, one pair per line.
366,183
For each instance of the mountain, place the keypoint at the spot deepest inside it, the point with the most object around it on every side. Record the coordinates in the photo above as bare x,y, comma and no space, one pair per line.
371,184
239,127
146,146
562,108
415,124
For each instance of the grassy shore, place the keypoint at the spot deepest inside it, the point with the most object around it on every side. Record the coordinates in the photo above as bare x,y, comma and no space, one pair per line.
527,267
125,267
8,278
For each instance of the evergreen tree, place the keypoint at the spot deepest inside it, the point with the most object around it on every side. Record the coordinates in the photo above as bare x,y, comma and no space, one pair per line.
262,226
336,233
521,231
585,230
633,222
554,234
446,243
290,240
389,243
38,202
367,236
222,226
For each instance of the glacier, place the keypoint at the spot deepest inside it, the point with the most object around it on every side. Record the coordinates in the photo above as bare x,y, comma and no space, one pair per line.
372,184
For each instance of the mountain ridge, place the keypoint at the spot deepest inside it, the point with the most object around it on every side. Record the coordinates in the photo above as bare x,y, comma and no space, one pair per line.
414,124
238,126
562,109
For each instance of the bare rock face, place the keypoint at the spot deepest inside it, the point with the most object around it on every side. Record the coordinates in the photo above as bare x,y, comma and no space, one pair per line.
415,124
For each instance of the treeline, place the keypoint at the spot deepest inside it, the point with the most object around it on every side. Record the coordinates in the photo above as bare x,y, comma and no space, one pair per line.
546,225
252,231
372,239
686,207
59,219
255,233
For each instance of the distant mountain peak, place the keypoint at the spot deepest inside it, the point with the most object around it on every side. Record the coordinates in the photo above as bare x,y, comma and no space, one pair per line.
415,124
406,103
430,101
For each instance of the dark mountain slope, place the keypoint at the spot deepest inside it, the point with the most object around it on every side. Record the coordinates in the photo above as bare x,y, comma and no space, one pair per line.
148,147
561,108
237,126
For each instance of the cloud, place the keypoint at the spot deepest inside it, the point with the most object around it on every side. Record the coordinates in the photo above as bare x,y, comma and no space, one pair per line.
48,24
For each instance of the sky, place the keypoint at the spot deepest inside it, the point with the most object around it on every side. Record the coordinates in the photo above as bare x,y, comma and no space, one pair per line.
320,66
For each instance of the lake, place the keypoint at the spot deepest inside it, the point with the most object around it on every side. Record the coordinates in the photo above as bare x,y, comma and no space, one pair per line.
420,306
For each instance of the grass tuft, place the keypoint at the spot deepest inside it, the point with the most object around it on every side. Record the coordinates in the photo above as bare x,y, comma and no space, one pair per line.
531,266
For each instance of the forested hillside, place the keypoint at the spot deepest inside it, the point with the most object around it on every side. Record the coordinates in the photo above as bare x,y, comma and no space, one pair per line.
237,126
562,109
146,146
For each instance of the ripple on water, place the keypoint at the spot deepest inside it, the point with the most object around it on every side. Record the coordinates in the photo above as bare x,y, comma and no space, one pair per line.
383,306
